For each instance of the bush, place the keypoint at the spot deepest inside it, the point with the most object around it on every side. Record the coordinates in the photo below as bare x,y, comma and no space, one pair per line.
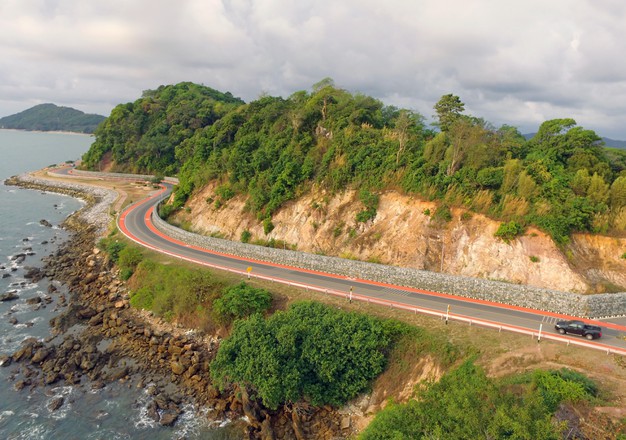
311,351
443,214
113,247
241,301
165,210
129,258
508,231
268,226
246,236
370,201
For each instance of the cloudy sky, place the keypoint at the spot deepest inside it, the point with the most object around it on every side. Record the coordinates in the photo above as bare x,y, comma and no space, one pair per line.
510,61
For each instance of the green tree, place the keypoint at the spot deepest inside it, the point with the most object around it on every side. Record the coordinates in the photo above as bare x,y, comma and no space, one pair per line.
449,109
311,352
598,191
618,192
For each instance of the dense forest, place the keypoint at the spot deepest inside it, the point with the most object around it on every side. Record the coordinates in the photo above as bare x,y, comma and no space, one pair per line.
561,180
50,117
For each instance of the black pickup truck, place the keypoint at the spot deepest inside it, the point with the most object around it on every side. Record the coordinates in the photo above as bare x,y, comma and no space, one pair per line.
579,328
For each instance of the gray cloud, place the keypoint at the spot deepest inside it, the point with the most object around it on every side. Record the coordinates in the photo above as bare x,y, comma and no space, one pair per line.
518,63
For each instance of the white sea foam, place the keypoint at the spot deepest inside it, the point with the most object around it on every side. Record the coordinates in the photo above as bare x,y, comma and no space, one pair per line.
65,392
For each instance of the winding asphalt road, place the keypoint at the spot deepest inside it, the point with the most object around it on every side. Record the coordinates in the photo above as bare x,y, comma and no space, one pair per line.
136,223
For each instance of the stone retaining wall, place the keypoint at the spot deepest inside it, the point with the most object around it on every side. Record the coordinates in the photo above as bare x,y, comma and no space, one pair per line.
593,306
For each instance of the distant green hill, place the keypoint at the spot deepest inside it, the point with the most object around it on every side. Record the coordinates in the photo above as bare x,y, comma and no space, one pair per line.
50,117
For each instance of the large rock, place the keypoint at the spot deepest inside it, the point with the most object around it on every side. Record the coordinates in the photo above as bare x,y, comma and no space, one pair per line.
9,296
177,368
40,355
168,418
56,403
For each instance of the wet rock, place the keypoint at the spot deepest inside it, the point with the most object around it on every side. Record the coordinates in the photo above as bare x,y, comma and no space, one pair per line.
9,296
20,384
45,223
34,300
168,418
5,360
50,378
56,403
97,385
6,275
33,273
13,320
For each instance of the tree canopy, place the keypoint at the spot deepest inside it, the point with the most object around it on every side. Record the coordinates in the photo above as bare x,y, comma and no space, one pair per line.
311,351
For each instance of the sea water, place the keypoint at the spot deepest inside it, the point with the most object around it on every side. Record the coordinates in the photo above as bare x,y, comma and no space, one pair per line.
117,411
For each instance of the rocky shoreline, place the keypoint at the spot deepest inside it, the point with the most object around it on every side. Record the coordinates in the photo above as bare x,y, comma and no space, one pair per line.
99,339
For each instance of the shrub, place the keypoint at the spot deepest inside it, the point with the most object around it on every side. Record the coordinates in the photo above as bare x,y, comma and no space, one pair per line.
129,258
268,226
508,231
165,210
534,259
241,301
466,216
443,214
370,201
112,247
245,236
225,192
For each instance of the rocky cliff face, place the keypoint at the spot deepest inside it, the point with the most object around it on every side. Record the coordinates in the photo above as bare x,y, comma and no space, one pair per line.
405,233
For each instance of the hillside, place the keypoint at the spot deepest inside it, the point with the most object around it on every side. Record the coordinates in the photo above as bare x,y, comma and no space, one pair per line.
50,117
281,168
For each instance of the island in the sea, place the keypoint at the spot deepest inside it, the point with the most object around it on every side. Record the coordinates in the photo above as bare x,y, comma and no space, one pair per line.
50,117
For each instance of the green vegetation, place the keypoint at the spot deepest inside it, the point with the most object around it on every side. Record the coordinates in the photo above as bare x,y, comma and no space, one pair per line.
466,404
49,117
241,301
508,231
310,351
112,246
173,292
273,149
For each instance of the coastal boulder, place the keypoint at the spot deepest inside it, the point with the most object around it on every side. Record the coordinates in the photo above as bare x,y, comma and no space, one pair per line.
9,296
40,355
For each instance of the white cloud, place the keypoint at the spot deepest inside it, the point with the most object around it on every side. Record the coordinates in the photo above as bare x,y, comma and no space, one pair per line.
510,62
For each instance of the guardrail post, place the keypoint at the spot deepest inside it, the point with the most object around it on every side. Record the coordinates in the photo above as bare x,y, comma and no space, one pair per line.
540,328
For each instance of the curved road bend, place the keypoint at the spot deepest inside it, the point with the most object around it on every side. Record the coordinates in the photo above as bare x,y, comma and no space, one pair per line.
135,222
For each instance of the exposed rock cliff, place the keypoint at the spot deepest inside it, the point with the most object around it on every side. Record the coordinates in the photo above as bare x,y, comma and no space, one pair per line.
405,233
